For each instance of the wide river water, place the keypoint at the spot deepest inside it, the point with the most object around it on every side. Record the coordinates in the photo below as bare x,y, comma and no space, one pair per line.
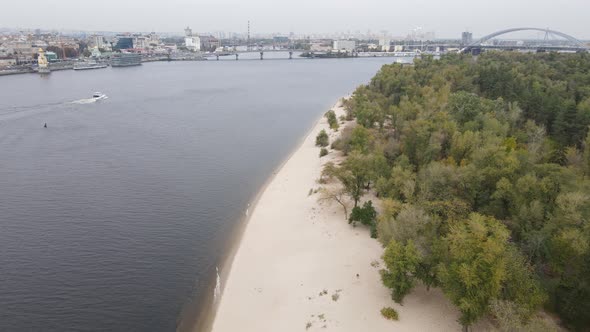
115,216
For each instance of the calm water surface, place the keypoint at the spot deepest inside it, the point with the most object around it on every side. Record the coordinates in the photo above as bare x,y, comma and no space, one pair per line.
115,216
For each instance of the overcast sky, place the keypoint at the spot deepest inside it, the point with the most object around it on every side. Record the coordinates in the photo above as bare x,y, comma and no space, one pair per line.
448,18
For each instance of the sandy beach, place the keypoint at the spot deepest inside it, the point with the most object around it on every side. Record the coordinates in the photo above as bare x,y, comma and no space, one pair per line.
300,266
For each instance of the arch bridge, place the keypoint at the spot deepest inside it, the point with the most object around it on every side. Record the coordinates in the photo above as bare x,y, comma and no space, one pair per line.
575,44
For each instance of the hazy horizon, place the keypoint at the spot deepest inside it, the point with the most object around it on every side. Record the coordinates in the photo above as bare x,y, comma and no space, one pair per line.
447,19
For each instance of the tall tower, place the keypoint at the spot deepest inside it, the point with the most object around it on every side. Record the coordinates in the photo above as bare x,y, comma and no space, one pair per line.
248,40
466,38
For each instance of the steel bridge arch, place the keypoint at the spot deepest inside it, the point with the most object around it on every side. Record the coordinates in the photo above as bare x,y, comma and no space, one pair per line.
503,32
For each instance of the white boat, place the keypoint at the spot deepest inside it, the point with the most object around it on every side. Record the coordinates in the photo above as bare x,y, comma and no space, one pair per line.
406,54
89,65
99,96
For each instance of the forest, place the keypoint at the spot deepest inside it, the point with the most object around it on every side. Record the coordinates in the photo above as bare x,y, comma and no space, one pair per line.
481,166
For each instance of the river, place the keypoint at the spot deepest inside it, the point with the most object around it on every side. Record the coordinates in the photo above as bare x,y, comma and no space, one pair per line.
115,216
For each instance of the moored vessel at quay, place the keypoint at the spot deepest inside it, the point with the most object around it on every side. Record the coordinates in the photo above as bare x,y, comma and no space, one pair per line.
126,60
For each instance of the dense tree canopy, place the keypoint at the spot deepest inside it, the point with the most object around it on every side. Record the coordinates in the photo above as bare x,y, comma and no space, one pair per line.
483,167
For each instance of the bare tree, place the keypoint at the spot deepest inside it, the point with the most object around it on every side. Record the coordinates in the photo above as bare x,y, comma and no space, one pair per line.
337,195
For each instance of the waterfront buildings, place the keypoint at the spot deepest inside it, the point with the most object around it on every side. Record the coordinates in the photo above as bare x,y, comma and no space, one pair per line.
385,44
154,40
7,61
98,41
43,64
320,46
51,56
141,42
124,43
191,42
209,43
344,45
21,48
95,52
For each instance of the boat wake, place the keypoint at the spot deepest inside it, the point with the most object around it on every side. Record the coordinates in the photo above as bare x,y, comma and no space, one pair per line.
88,100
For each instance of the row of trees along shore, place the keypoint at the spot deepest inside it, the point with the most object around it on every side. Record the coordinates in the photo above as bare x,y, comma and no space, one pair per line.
482,169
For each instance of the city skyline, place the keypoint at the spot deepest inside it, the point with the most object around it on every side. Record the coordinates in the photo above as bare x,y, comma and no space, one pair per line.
447,19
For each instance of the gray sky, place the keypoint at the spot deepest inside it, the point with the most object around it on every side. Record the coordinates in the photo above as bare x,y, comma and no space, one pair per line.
447,17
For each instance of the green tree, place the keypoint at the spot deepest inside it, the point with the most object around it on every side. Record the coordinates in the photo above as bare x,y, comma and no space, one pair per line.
410,224
586,155
401,262
464,144
505,137
360,139
366,215
354,174
475,265
400,185
569,125
521,286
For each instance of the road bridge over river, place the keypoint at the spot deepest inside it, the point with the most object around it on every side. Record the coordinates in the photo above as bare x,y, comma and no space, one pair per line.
568,42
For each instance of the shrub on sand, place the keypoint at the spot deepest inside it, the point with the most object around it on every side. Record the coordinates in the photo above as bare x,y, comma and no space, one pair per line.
322,139
389,313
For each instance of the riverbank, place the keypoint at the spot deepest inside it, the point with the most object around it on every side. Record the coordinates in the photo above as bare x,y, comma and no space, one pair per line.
300,265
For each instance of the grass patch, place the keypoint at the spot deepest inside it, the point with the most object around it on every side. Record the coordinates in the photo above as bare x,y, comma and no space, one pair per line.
389,313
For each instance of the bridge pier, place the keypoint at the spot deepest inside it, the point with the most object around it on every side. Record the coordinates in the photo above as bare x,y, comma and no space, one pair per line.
261,55
237,56
290,55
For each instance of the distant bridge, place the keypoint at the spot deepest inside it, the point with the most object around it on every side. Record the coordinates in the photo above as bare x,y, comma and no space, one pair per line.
261,51
575,44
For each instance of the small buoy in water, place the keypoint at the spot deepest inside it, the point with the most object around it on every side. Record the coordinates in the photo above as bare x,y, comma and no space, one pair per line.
45,126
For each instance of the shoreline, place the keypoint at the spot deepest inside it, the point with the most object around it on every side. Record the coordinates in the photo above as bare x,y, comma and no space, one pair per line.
238,237
25,70
206,317
298,265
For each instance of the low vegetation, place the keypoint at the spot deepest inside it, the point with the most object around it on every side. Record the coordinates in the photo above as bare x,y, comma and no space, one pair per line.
322,139
482,169
510,317
332,120
365,215
389,313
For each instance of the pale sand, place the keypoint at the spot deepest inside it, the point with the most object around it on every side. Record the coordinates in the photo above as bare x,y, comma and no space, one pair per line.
293,248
